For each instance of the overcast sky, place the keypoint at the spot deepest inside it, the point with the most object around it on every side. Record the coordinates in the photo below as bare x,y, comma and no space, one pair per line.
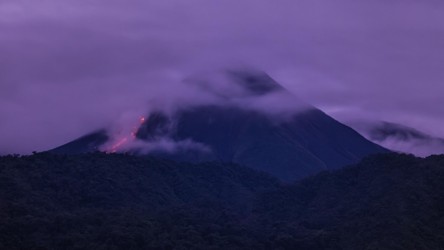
69,67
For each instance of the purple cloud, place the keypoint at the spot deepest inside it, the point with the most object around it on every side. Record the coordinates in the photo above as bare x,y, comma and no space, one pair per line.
69,67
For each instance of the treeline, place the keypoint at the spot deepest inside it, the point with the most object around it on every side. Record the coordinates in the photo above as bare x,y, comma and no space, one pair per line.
114,201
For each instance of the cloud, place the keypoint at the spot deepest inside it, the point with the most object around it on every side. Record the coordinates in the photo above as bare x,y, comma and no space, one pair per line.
400,138
421,148
243,89
69,67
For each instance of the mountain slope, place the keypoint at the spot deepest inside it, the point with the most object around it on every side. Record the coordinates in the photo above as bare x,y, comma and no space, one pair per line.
88,143
258,124
308,143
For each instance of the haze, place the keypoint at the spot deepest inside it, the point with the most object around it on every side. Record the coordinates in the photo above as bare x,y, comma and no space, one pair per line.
70,67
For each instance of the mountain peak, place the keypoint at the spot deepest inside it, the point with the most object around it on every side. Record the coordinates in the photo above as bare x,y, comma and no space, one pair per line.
235,83
254,122
255,82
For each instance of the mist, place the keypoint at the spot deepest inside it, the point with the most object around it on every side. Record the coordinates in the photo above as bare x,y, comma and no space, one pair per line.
68,68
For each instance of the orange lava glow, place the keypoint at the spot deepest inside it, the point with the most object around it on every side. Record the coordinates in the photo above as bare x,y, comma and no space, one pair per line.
131,137
118,144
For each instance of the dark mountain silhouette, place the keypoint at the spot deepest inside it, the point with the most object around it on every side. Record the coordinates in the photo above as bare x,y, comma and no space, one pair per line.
287,146
88,143
115,201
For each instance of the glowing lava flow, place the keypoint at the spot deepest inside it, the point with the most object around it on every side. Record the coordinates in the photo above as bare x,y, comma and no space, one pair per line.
116,146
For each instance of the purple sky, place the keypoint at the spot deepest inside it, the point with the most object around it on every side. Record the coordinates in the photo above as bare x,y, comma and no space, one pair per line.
68,67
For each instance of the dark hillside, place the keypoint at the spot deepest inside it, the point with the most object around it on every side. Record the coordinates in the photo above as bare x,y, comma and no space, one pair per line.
111,201
385,202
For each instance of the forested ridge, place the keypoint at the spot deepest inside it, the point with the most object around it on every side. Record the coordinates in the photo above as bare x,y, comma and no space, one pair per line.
118,201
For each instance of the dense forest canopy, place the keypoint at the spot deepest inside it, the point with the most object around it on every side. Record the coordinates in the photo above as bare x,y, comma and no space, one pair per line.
116,201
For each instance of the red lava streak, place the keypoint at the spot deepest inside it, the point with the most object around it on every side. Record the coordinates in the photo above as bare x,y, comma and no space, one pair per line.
131,137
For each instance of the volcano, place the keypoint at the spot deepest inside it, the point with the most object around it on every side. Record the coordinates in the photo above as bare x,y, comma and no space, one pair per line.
291,140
